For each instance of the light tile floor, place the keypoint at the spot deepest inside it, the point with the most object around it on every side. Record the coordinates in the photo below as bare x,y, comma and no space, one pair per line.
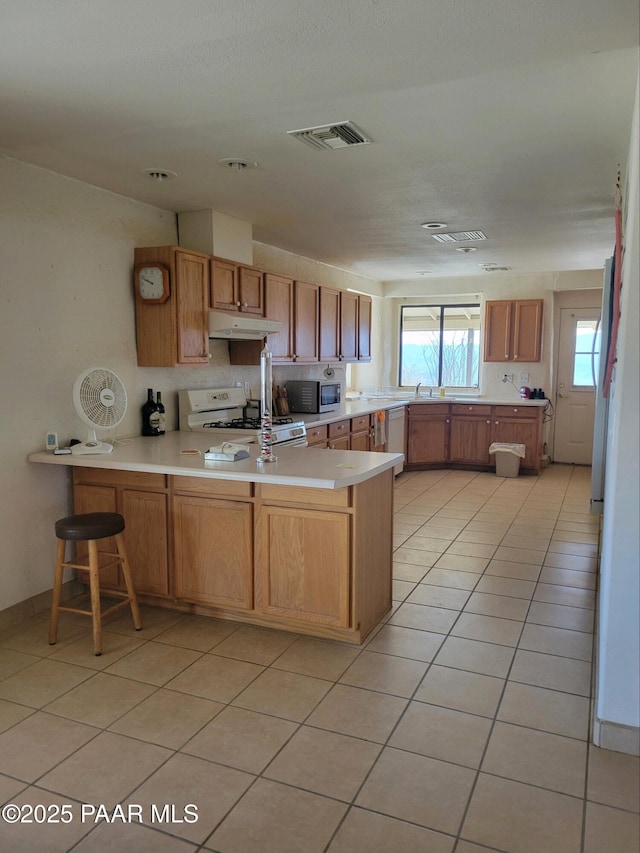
461,725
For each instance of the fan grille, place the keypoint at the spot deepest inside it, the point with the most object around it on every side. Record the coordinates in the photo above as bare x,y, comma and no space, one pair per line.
102,398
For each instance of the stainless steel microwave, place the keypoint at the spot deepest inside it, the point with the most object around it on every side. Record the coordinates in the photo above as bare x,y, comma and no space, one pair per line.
313,397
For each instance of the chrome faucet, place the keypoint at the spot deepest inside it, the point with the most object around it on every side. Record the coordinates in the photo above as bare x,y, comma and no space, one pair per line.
431,390
417,394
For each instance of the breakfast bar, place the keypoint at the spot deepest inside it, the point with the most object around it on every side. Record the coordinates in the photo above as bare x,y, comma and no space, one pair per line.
302,544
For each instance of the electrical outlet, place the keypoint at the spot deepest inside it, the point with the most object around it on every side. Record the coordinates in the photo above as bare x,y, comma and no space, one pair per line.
524,377
508,377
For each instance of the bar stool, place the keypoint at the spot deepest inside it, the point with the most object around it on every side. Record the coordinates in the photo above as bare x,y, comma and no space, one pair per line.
91,527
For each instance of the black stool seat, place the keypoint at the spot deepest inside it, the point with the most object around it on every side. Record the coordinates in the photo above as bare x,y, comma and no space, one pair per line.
89,525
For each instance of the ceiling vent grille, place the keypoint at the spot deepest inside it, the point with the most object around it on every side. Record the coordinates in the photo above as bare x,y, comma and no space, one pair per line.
331,136
459,236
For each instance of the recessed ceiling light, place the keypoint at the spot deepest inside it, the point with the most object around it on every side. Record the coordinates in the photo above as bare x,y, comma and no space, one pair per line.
423,272
160,174
238,164
431,226
466,249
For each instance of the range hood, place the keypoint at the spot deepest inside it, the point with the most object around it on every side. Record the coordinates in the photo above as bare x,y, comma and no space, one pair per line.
240,327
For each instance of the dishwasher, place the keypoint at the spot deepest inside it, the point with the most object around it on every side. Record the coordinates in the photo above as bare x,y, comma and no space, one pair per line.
395,435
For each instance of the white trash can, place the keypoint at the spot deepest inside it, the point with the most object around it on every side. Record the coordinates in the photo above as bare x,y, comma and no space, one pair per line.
508,458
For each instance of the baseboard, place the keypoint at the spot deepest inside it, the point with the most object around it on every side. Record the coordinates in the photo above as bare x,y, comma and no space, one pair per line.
23,610
616,737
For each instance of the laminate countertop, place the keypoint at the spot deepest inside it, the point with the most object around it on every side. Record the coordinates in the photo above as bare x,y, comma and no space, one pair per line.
295,466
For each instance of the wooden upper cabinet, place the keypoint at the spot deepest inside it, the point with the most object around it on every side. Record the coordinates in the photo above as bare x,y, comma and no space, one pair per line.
364,328
236,288
513,330
306,318
175,332
329,324
348,326
279,306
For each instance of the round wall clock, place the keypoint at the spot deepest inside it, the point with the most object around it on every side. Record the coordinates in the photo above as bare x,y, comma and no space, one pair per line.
152,282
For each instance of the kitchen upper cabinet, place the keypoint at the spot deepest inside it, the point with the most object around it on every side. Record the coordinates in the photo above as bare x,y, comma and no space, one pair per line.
513,330
428,428
306,319
236,288
470,434
345,326
296,305
175,332
278,292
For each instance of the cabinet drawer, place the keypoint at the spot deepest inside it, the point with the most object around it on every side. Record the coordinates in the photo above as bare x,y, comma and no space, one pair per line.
301,495
426,410
360,423
339,428
104,477
315,434
526,412
211,487
470,409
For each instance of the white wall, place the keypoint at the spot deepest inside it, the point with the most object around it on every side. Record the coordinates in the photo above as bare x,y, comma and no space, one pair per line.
618,660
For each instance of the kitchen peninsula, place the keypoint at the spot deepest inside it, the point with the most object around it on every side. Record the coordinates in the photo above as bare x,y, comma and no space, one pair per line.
303,544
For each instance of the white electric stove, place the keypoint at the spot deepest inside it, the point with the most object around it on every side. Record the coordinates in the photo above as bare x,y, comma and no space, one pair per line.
229,415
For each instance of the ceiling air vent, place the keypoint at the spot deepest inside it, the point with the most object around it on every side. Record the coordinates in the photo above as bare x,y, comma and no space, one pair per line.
459,236
330,136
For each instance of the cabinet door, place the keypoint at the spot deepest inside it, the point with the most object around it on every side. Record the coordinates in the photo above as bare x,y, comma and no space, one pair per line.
147,546
306,304
224,285
519,431
348,326
364,328
98,499
329,324
341,443
303,566
428,439
497,330
470,439
213,551
192,274
278,294
359,441
251,291
527,330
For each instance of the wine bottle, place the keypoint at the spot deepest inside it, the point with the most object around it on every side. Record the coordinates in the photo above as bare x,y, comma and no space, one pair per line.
150,416
161,414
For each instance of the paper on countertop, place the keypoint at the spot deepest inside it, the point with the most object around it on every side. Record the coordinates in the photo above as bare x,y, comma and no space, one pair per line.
227,452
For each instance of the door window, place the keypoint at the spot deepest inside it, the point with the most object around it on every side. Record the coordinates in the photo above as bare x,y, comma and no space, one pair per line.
586,353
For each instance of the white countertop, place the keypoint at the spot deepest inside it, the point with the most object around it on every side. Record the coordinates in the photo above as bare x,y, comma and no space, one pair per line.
368,405
296,466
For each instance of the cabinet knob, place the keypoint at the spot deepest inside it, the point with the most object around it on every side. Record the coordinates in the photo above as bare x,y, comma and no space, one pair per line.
488,422
447,420
237,304
209,355
515,355
470,408
497,422
515,410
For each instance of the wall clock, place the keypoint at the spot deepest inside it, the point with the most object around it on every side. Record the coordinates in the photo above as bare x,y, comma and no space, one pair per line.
152,282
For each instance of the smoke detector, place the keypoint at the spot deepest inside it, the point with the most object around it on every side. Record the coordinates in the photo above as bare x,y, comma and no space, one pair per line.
466,249
237,164
160,175
342,134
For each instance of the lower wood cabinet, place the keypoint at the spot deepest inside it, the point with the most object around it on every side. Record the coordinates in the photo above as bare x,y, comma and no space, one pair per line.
470,434
142,500
428,434
213,551
461,434
304,565
312,560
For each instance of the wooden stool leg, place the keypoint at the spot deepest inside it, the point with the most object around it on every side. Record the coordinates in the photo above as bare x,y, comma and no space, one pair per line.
94,586
57,589
128,581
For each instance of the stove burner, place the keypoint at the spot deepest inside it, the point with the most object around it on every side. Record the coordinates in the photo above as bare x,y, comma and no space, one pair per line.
244,423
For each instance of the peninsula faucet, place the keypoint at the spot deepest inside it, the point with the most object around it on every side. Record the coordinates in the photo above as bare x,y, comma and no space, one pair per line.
417,394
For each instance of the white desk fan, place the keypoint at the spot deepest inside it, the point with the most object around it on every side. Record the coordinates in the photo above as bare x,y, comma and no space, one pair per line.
100,399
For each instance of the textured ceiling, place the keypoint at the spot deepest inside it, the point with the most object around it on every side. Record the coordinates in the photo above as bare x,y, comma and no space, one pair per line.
508,116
